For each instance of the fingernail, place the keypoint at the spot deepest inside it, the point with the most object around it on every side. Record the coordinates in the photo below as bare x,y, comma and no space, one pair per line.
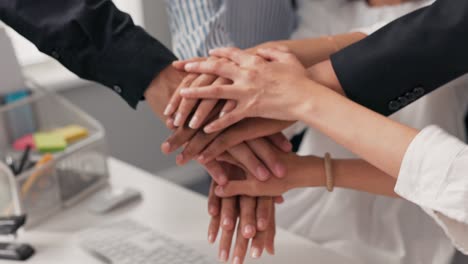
194,122
287,146
262,173
227,222
222,114
180,158
255,253
222,180
236,260
212,210
168,109
280,170
211,238
208,129
166,146
223,256
262,224
190,66
183,91
219,191
201,159
170,122
178,120
249,230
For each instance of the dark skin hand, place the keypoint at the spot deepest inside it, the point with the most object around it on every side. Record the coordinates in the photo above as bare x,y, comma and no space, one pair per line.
256,222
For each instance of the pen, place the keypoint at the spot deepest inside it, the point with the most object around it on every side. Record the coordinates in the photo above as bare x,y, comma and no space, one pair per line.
24,159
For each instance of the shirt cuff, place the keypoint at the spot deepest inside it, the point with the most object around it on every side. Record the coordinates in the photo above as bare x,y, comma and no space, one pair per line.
294,130
425,174
130,64
456,231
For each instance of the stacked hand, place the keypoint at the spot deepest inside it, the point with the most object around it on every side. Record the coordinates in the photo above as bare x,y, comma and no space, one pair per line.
236,143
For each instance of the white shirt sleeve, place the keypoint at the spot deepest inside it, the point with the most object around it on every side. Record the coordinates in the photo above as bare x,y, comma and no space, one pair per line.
197,26
294,129
434,175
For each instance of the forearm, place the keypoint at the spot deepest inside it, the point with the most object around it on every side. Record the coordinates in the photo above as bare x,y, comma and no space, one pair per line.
380,141
347,173
314,50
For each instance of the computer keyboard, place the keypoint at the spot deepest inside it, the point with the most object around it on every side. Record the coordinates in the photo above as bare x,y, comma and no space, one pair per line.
129,242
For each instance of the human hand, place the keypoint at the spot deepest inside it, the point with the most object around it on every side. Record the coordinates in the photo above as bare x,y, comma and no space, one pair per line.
179,109
254,154
269,89
224,214
162,88
303,172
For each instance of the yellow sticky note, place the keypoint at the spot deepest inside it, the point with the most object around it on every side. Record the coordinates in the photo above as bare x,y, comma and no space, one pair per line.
49,142
72,133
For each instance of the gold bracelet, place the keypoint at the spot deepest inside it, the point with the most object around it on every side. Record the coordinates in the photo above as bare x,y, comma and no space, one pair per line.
329,173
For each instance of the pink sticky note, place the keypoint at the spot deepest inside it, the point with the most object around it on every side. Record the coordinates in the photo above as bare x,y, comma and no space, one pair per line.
22,143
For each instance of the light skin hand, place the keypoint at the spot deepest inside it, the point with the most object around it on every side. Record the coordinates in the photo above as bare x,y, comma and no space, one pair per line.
180,108
261,88
254,163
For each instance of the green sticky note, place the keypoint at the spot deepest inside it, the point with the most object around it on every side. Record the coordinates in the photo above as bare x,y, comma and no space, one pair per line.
49,142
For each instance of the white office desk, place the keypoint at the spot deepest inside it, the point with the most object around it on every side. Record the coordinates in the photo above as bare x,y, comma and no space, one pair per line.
167,208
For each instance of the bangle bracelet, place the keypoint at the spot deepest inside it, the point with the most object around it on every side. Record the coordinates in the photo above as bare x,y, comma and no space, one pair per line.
330,183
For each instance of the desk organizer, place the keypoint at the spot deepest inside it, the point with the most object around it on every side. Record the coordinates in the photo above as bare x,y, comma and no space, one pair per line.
68,177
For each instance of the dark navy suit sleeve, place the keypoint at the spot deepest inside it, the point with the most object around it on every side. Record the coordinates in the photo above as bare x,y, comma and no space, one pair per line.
406,59
93,39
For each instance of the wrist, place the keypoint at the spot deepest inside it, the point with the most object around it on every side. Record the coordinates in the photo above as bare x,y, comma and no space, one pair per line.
324,74
305,172
307,101
162,88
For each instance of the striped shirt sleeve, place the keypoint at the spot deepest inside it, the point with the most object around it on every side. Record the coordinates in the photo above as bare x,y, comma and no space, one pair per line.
197,26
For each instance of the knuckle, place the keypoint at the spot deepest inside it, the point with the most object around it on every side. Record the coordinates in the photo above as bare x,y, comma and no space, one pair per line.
251,75
256,60
230,118
217,90
221,143
214,65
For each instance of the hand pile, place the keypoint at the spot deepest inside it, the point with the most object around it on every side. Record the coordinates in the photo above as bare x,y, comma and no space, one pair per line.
225,117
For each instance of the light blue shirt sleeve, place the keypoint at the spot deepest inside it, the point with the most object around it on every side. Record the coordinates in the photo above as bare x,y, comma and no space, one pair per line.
197,26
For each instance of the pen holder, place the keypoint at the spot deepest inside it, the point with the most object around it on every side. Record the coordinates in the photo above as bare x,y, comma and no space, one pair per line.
68,176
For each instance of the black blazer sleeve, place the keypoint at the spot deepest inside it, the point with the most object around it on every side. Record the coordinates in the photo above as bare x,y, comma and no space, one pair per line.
406,59
93,39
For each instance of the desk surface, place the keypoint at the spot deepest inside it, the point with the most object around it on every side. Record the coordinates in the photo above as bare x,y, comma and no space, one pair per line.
166,207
